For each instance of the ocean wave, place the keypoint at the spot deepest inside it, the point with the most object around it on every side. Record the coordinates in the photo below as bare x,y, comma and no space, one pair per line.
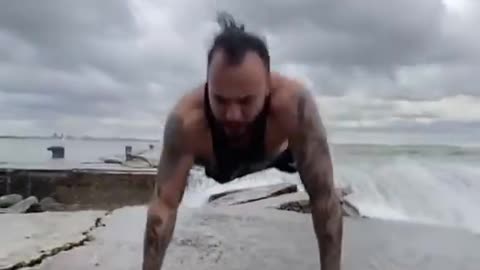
410,150
401,188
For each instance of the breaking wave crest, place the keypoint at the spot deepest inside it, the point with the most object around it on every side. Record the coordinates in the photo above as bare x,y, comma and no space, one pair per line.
429,187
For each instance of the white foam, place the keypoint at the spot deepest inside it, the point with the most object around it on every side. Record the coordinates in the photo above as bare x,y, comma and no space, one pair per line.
426,191
441,191
201,187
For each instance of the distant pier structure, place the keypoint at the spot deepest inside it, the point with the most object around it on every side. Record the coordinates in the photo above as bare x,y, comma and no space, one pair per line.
58,152
128,152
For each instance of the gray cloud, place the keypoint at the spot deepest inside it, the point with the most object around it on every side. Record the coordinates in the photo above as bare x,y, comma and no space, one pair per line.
115,67
371,33
371,46
84,62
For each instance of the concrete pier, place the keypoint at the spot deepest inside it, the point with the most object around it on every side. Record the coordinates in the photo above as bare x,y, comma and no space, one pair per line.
234,238
81,188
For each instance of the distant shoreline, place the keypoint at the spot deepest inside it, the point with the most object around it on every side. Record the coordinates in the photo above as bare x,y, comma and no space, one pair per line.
149,140
82,138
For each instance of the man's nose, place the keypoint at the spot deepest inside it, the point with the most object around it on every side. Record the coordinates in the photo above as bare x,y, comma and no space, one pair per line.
233,113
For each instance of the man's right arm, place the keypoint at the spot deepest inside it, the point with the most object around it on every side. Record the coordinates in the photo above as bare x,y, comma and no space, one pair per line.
173,168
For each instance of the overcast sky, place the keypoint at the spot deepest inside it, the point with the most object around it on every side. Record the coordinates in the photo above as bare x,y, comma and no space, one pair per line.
113,68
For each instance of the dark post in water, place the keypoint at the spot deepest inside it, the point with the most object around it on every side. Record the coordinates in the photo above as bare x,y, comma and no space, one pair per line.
128,152
58,152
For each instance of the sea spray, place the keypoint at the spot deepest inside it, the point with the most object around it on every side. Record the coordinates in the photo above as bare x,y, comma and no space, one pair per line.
426,185
433,189
201,187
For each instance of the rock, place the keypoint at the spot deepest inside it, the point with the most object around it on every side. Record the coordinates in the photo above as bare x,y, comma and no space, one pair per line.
299,202
251,194
302,206
349,209
290,203
112,161
35,208
50,204
344,191
9,200
23,206
215,196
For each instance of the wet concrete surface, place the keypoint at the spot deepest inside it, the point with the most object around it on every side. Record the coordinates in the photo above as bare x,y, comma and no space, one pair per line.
252,237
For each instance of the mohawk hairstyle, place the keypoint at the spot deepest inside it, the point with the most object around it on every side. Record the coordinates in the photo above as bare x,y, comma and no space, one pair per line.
236,42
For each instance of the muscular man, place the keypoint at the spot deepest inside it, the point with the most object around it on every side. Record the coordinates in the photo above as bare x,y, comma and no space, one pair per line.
243,119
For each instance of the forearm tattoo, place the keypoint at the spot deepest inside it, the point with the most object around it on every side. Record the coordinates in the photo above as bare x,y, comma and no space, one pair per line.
160,223
314,164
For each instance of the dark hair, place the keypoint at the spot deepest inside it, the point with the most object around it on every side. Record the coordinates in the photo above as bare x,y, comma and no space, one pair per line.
236,42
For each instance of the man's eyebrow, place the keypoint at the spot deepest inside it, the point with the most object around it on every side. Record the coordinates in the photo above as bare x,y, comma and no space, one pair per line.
219,96
246,96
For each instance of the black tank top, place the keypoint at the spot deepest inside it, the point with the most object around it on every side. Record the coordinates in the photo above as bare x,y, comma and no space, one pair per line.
231,163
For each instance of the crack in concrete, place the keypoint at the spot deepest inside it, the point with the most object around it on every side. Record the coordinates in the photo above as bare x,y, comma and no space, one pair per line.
68,246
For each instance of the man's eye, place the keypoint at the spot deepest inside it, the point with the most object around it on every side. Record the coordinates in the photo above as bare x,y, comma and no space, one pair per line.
220,100
245,100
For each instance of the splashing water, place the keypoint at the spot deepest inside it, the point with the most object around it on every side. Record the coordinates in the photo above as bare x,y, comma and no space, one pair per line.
433,185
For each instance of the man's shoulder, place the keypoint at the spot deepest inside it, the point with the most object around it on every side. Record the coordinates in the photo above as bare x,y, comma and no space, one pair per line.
189,102
288,95
188,110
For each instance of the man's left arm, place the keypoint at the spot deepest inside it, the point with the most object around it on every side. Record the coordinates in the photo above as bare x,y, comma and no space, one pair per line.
308,142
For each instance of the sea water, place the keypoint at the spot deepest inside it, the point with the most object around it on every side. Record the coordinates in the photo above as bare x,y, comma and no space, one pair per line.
430,184
434,184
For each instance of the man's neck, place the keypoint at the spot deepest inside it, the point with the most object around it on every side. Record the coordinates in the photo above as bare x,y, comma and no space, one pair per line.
241,142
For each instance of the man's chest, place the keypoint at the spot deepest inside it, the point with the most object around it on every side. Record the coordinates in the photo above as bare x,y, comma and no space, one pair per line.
224,166
231,166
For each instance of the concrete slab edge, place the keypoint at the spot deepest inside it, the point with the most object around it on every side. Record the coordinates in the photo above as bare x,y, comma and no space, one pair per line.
86,237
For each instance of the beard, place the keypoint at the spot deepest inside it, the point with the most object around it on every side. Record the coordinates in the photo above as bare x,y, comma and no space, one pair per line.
237,134
234,131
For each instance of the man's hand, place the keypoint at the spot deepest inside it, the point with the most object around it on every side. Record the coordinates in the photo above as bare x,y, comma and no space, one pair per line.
173,168
309,145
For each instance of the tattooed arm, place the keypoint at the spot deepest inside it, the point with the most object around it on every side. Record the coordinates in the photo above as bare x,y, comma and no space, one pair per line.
309,145
173,168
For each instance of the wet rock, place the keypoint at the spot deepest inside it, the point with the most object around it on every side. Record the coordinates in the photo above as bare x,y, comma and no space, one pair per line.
35,208
251,194
349,209
344,191
23,206
112,161
10,199
300,202
50,204
213,197
303,206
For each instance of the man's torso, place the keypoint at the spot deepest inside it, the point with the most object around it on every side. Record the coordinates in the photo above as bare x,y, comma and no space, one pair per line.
224,166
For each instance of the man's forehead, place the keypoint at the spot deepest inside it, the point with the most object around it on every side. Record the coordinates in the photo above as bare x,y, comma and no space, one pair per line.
222,63
246,76
235,92
221,57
